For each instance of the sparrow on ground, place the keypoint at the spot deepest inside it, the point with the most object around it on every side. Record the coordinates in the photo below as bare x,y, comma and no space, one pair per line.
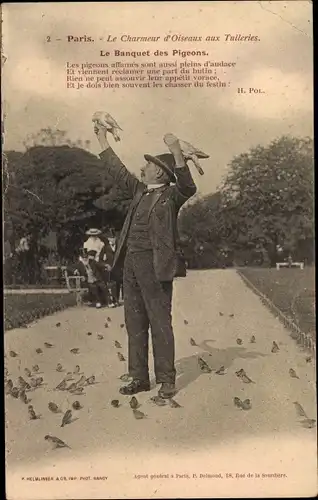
275,347
35,368
15,391
220,371
23,383
186,322
237,402
54,408
48,345
239,341
39,381
308,423
106,325
24,397
100,337
38,350
77,369
68,376
67,417
77,391
58,324
253,339
118,344
192,341
300,410
58,443
90,380
75,350
120,356
81,381
122,325
103,119
13,354
77,405
125,377
59,367
134,403
61,386
89,333
115,403
243,376
158,401
246,404
138,414
33,382
231,315
27,372
8,386
109,319
292,373
32,414
309,359
204,367
174,404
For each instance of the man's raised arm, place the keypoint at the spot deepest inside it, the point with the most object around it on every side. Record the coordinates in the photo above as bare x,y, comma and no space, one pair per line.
114,165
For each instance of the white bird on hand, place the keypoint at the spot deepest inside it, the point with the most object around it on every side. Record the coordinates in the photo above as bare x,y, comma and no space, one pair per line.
103,119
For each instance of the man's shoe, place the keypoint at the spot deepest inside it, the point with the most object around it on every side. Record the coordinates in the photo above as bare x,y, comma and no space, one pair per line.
134,387
167,390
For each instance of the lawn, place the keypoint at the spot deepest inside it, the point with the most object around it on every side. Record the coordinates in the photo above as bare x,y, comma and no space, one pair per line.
19,310
291,290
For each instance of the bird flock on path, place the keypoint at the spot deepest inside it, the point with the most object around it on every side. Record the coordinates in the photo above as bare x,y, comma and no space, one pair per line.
24,387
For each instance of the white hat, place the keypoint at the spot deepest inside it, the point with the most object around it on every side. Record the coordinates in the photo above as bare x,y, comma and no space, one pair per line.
93,232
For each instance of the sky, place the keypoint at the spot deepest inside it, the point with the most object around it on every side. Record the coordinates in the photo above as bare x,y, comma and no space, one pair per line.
220,121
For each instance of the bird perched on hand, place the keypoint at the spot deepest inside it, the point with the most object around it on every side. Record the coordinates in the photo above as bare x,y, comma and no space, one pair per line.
32,414
103,119
13,354
48,345
204,367
192,342
100,337
53,408
75,350
275,347
67,417
115,403
292,373
158,401
134,403
191,153
138,414
59,367
220,371
38,350
27,372
237,402
35,368
77,405
246,404
239,341
174,404
118,344
120,356
252,340
58,443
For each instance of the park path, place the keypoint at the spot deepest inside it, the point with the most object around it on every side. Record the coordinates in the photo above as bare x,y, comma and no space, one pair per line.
207,435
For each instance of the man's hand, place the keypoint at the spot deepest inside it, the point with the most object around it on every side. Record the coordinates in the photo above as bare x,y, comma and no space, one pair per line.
174,146
101,134
107,267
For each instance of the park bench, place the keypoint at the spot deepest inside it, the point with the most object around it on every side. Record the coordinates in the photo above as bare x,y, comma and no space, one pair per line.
73,282
289,264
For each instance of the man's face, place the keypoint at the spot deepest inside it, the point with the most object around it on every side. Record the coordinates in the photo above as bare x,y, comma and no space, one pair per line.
151,173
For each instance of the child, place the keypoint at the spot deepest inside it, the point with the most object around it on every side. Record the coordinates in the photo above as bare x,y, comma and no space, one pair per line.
94,274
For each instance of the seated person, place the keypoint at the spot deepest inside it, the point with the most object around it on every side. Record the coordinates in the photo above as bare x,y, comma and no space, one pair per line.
95,276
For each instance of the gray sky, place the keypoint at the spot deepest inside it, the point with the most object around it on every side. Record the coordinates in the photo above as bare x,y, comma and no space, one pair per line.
220,121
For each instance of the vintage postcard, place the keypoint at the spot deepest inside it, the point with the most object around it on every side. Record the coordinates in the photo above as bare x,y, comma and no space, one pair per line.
158,242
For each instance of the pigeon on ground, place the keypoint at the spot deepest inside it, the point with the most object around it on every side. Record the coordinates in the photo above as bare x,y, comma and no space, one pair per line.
13,354
300,410
23,383
204,367
190,152
32,414
220,371
61,386
118,344
308,423
239,341
58,443
125,377
53,408
35,368
100,337
174,404
24,397
252,340
292,373
33,382
122,325
67,417
138,414
192,342
28,372
231,315
106,325
158,401
275,347
38,350
185,321
115,403
246,404
15,391
59,367
109,319
221,314
89,333
8,386
134,403
48,345
77,369
309,359
243,376
103,119
77,391
39,381
90,380
237,402
75,350
120,356
77,405
58,324
81,381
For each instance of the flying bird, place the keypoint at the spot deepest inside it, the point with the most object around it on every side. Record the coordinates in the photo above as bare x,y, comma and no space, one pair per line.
253,339
275,347
38,350
103,119
118,344
120,356
58,443
134,403
53,408
48,345
204,367
67,417
115,403
77,405
309,359
292,373
220,371
158,401
75,350
193,342
138,414
13,354
38,381
300,410
174,404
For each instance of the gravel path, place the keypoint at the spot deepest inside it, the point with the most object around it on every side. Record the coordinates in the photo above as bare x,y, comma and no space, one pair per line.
207,435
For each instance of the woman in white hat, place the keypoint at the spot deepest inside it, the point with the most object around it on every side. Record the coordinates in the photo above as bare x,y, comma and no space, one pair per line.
94,242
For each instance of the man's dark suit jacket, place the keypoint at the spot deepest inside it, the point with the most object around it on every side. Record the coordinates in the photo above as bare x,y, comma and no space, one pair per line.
162,214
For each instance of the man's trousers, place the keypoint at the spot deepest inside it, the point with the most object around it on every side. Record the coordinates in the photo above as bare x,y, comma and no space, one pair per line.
147,301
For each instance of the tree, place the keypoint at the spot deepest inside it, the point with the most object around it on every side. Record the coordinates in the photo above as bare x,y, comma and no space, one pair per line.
267,197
